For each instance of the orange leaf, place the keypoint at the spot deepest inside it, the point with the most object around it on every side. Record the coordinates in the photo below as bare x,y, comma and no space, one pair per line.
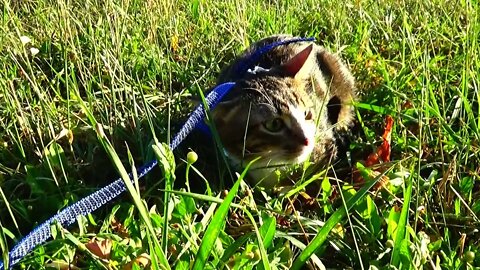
383,151
382,154
143,260
119,228
101,249
387,133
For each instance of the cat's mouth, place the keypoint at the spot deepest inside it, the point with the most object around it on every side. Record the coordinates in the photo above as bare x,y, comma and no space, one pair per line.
281,157
265,168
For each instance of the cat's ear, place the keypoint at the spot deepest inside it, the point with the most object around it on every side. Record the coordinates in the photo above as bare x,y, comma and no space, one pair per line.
342,89
293,66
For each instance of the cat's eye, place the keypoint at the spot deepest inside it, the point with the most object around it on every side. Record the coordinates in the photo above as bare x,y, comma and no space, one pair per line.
274,125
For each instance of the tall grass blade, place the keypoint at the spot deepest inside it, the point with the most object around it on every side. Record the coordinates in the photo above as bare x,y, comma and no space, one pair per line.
401,234
128,182
216,224
167,163
4,247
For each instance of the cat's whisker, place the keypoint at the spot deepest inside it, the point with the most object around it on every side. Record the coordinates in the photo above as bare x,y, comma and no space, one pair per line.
276,166
262,93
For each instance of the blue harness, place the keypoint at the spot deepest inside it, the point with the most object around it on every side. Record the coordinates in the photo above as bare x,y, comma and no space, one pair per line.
97,199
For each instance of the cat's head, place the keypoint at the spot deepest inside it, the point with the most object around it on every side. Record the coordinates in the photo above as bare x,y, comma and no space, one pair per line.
269,114
275,114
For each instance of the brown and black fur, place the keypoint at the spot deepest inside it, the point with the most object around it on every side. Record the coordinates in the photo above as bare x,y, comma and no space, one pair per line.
323,84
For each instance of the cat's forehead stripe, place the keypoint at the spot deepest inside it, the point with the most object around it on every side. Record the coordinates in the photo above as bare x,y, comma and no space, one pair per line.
298,98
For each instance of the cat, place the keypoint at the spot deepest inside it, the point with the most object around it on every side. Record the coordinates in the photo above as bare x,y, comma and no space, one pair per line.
286,109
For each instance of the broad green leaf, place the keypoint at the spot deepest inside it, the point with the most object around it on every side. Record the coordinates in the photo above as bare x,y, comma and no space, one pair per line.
55,155
267,230
434,246
232,248
392,222
405,254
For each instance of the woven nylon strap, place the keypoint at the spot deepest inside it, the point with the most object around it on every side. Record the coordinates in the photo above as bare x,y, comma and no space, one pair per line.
99,198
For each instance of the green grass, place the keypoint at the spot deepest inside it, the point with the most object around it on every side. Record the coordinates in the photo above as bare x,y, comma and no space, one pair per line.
132,66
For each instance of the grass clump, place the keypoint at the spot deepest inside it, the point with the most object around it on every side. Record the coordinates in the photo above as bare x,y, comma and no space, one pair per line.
132,67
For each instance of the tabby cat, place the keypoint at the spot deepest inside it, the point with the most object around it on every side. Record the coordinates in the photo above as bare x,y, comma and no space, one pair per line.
286,109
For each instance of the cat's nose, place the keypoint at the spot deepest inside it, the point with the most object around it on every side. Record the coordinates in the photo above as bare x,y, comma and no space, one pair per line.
298,141
305,141
301,138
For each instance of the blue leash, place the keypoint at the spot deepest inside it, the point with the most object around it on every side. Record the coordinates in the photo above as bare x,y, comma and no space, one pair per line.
100,197
97,199
242,67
